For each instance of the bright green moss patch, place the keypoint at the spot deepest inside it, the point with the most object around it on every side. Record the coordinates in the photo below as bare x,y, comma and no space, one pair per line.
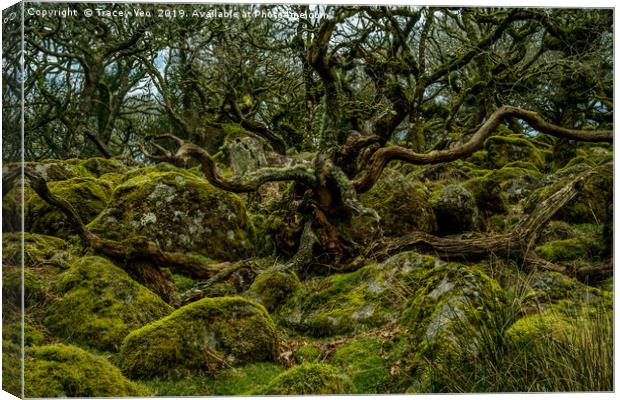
308,379
564,250
88,196
68,371
307,353
101,304
272,287
402,203
58,170
229,382
361,359
205,335
344,303
179,211
11,367
548,324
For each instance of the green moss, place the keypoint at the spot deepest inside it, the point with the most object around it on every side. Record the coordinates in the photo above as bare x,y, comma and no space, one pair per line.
229,382
35,287
272,287
450,298
68,371
233,131
308,353
88,196
101,304
361,360
564,250
99,166
179,211
479,158
204,335
488,194
11,367
549,287
548,324
344,303
402,203
39,250
308,379
505,149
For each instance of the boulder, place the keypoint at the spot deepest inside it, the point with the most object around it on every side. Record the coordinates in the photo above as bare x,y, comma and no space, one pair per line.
361,359
202,336
88,196
504,149
100,305
455,208
180,212
272,287
401,202
68,371
350,302
308,379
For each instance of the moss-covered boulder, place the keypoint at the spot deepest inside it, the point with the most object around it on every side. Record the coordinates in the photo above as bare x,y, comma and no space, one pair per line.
272,287
402,203
545,325
450,298
99,166
361,359
202,336
88,196
179,211
488,194
455,208
39,250
101,304
308,379
548,288
59,170
504,149
351,302
515,180
307,353
68,371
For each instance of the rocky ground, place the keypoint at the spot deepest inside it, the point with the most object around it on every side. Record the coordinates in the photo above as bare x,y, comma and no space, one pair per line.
411,322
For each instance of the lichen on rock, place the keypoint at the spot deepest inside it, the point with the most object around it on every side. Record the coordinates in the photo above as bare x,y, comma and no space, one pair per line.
349,302
203,336
180,212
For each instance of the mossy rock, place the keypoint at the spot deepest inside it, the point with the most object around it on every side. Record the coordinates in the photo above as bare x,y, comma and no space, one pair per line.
39,250
455,208
401,202
272,287
308,379
550,324
351,302
516,182
502,150
68,371
479,158
58,170
101,304
180,212
361,359
202,336
488,194
450,298
34,286
99,166
88,196
548,287
593,198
